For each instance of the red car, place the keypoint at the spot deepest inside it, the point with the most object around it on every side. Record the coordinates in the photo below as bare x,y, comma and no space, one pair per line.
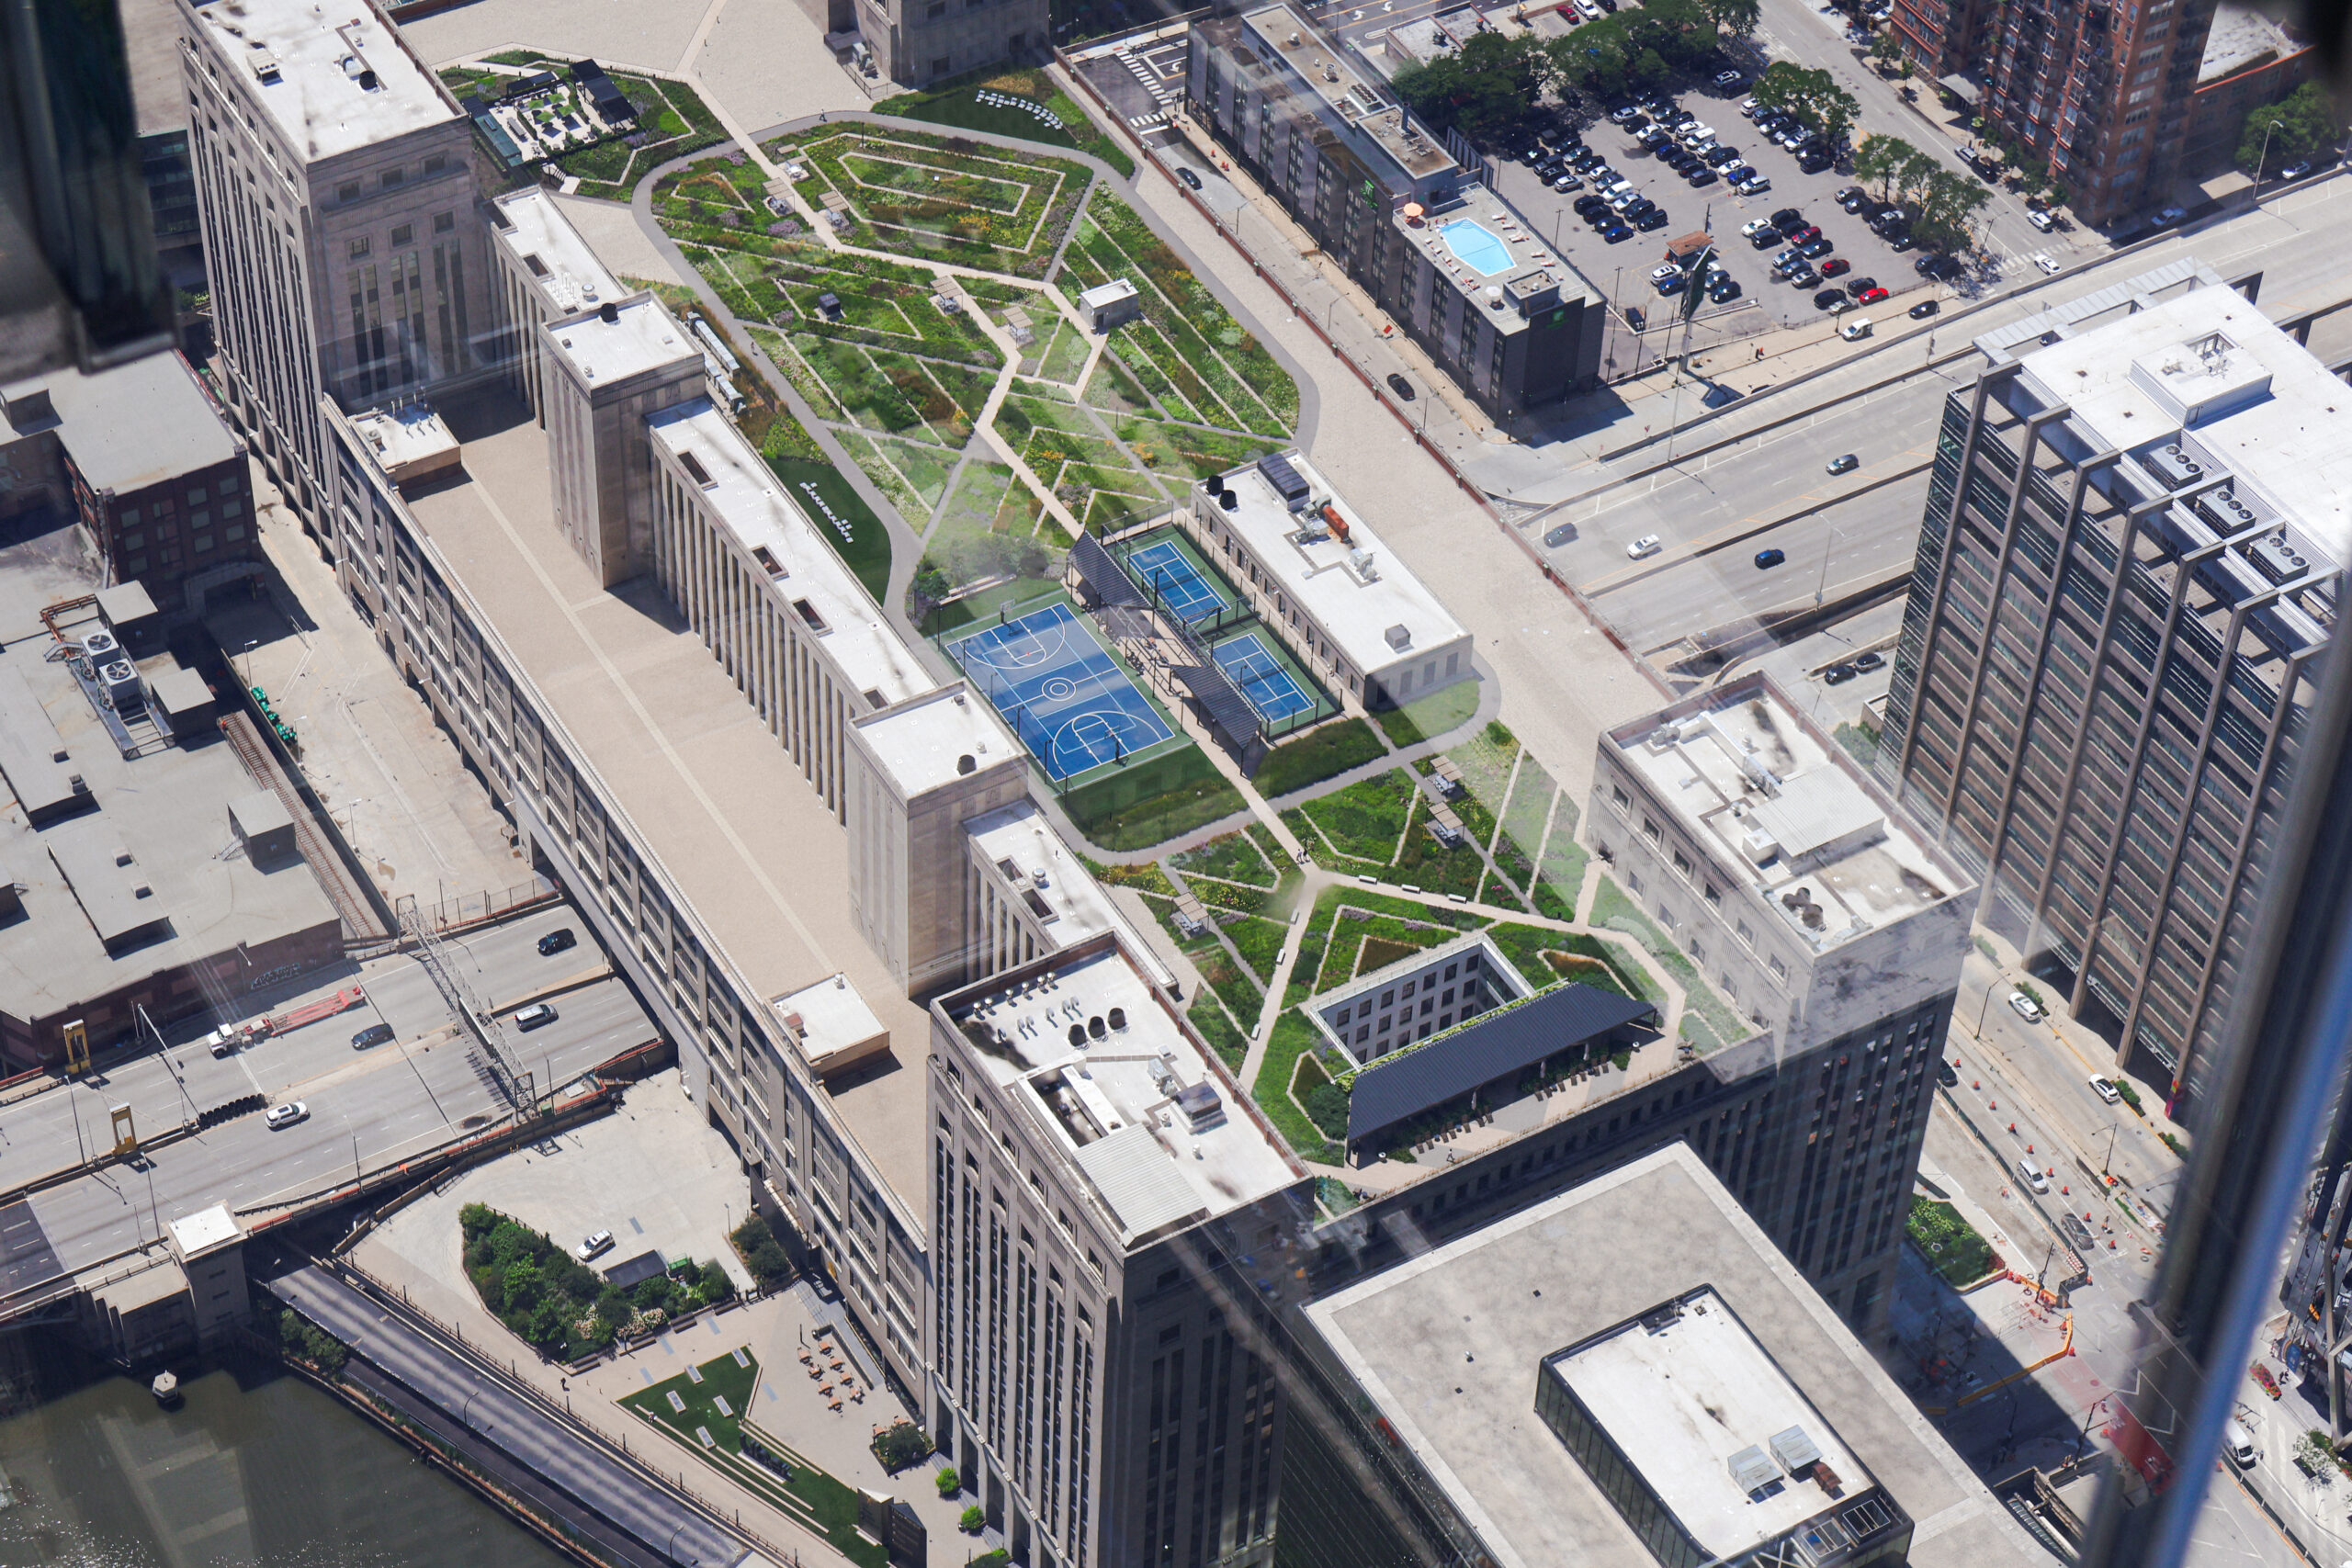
1800,236
1870,297
2262,1376
1834,266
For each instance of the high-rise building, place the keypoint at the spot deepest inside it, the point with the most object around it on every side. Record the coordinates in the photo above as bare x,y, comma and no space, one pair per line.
1112,1221
2126,570
2099,93
1502,310
334,182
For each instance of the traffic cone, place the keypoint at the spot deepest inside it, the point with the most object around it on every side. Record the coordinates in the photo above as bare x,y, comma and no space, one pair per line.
1993,1105
2028,1148
2065,1192
2013,1126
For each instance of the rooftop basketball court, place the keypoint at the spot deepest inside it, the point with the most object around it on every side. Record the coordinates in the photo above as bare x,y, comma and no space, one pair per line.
1062,691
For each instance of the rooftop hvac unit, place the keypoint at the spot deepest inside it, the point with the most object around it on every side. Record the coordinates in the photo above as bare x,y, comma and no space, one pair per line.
1753,1469
101,647
1795,1450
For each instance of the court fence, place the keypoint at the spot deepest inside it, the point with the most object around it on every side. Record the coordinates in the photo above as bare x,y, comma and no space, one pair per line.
1096,799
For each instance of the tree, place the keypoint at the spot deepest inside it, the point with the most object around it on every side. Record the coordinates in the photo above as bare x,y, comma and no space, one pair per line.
1738,17
1812,95
1947,201
1593,57
1880,160
1885,47
1485,87
2296,128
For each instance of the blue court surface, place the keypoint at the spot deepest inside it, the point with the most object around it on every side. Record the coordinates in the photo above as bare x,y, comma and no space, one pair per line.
1184,591
1270,688
1062,692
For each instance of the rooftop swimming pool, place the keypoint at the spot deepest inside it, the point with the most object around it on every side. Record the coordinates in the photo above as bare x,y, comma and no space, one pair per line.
1476,247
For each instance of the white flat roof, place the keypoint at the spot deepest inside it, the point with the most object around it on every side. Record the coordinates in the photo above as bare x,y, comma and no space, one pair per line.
833,1017
765,516
642,336
572,278
1081,906
923,742
2289,440
200,1232
1681,1399
323,57
408,440
1328,579
1107,1103
1860,863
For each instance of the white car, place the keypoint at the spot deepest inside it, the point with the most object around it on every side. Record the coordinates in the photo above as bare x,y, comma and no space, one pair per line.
1747,109
1754,227
2041,259
2032,1175
2040,219
1697,136
594,1246
1860,327
2105,1089
1660,273
1755,186
2025,1007
1647,544
285,1115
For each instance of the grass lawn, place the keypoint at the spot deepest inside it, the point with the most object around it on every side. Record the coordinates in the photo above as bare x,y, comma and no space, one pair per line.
957,103
850,525
1260,942
723,1378
945,199
1241,994
1952,1247
1164,817
1440,713
1314,756
1290,1037
1363,822
1213,1023
1233,857
913,477
989,528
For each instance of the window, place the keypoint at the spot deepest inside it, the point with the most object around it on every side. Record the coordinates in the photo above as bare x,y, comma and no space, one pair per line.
1655,833
347,191
1406,990
129,516
1682,864
1713,896
390,178
136,565
444,221
228,484
203,542
436,163
406,234
1780,970
1387,999
196,496
134,541
1449,969
202,519
1340,1018
1746,937
1469,963
1363,1035
358,247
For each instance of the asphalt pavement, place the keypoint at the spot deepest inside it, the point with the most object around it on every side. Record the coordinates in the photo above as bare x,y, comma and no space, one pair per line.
366,1108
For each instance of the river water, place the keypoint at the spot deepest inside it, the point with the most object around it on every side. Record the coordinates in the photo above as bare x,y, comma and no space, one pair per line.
255,1467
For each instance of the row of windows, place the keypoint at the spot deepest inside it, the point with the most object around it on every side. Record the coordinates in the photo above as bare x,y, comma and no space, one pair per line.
393,178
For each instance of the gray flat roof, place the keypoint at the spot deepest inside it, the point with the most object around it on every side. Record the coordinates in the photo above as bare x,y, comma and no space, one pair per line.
135,424
344,79
1447,1347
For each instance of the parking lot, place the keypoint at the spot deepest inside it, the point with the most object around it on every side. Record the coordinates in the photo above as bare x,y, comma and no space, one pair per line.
1765,302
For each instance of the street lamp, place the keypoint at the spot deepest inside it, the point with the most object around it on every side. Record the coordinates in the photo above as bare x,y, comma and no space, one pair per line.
2113,1128
2259,164
1822,587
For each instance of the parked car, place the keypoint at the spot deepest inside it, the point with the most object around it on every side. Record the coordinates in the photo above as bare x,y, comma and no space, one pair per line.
1568,181
1724,289
1764,239
2169,216
1402,387
1737,175
1729,81
2025,1007
1635,318
1767,559
1670,286
2041,221
1651,218
2041,259
1755,185
2301,168
539,1015
1817,247
1788,220
1612,232
2078,1234
1803,278
285,1115
1900,239
1660,273
1838,674
1623,114
375,1034
557,941
1845,464
1647,544
1923,310
1788,260
1870,296
2105,1089
1805,233
594,1246
1833,300
1851,198
1189,177
1836,266
1869,660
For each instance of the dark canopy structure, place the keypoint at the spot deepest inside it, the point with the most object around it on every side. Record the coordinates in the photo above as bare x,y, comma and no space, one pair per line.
1495,1045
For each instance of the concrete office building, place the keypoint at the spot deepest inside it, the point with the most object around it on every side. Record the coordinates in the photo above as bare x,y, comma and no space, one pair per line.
1102,1198
151,43
1626,1375
603,372
340,239
1321,579
917,42
141,455
1784,870
2135,529
1507,317
1416,998
545,271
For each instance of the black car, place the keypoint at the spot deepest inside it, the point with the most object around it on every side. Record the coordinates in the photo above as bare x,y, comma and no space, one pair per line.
1946,1075
1838,674
1654,218
375,1034
1723,290
1189,177
1828,298
1765,239
1858,286
1900,241
1586,206
1788,218
1560,535
1923,309
1767,559
1702,175
1816,249
1613,231
557,941
1813,163
1402,387
1869,660
1633,318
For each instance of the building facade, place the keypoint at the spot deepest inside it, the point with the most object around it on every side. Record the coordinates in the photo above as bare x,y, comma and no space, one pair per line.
1512,322
2126,573
1102,1196
918,43
335,188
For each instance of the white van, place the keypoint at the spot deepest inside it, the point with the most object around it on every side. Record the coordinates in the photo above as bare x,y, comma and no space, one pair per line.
1860,327
2238,1443
2032,1175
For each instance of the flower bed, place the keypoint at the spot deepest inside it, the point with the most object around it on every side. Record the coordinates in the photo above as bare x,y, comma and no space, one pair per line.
973,203
1233,857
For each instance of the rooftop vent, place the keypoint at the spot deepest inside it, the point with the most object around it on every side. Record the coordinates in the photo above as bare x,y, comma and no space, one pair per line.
1400,637
1077,1036
1202,1107
265,65
608,312
963,764
1119,1021
1796,1451
1753,1469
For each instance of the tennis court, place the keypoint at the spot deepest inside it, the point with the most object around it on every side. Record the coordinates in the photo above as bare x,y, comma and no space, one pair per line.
1061,691
1185,592
1271,688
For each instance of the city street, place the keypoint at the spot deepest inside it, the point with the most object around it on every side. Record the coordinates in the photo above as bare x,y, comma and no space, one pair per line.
368,1108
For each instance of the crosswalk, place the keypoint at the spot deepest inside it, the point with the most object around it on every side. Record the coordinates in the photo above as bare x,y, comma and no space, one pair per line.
1151,84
